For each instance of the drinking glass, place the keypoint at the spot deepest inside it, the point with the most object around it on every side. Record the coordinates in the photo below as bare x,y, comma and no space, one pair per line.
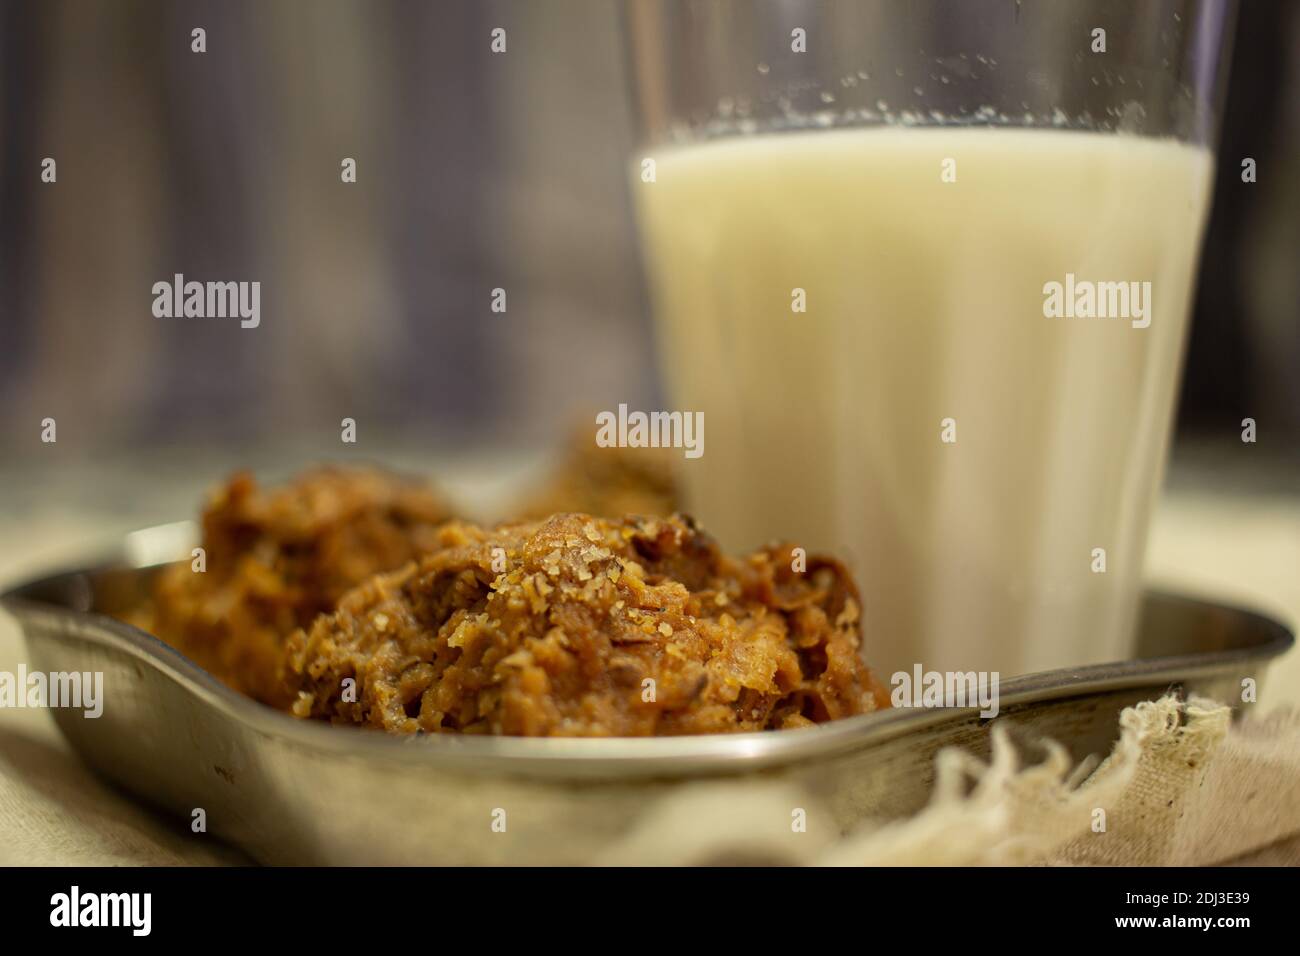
925,268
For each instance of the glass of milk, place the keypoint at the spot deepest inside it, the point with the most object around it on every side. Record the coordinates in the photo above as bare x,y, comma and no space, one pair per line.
925,268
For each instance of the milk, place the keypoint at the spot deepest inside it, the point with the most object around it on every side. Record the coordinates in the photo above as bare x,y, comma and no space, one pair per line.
1018,545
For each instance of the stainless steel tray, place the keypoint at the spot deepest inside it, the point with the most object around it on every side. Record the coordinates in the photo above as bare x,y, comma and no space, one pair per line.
295,792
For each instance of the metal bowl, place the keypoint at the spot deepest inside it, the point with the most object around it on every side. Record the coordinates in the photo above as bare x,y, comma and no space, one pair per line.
288,791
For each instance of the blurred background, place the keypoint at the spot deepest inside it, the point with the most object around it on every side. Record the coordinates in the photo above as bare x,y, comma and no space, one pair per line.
474,171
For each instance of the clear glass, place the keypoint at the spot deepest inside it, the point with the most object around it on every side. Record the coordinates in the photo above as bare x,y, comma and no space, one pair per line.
925,267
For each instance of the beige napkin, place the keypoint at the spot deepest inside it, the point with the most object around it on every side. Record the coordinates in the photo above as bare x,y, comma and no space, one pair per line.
1183,786
55,812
